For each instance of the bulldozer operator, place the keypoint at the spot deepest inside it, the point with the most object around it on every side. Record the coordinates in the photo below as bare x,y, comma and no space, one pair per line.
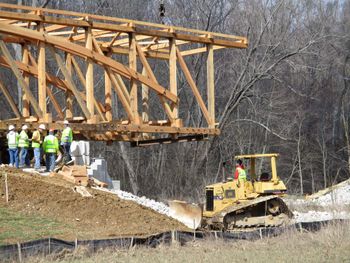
240,173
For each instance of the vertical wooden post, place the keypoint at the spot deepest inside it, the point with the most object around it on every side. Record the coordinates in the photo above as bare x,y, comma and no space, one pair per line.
42,75
145,98
108,96
69,96
6,189
89,75
210,85
172,75
133,83
25,101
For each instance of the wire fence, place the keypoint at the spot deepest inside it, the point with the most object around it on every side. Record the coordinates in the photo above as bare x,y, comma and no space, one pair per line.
51,246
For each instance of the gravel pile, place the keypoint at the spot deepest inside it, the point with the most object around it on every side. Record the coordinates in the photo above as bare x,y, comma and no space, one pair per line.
338,198
150,203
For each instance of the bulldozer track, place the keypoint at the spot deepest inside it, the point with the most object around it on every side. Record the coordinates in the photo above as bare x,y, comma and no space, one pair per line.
231,219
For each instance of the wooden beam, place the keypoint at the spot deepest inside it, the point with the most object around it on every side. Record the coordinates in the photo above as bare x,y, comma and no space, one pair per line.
70,81
151,75
55,104
82,80
198,50
10,100
85,53
173,74
42,74
193,86
33,71
125,40
210,85
133,83
93,32
125,51
113,40
118,85
145,99
20,79
25,102
120,94
69,97
48,90
108,95
78,16
89,74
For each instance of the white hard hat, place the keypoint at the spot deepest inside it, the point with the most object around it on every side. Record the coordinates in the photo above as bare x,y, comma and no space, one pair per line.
66,122
42,126
24,127
11,127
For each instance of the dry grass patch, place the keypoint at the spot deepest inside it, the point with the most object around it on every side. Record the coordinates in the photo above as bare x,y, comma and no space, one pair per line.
331,244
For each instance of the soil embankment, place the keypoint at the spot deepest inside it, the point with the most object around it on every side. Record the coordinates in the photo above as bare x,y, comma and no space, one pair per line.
103,215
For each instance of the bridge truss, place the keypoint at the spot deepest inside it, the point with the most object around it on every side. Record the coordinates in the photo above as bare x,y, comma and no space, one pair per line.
62,52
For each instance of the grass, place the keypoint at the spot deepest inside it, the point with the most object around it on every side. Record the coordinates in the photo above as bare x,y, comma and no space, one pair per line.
331,244
17,227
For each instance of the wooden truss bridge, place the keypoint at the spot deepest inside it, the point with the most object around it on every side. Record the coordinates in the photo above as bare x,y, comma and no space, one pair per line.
65,54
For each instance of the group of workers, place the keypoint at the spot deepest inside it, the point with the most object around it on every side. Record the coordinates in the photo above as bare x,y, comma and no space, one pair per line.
19,144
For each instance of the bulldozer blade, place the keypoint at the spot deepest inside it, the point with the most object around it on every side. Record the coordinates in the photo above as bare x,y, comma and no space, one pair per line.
188,214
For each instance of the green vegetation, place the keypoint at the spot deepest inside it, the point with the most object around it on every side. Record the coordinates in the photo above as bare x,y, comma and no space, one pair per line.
17,227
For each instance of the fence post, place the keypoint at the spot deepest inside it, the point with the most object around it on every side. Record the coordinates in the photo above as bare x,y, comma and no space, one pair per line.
76,244
131,243
194,229
300,227
49,245
19,252
6,189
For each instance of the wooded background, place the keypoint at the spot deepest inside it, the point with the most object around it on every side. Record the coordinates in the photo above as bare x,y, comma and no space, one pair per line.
287,93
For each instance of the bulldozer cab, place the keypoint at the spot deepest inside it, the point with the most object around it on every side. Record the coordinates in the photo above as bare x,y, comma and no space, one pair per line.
269,171
265,181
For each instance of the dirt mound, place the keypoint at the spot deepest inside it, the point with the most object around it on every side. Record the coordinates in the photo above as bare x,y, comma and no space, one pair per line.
102,216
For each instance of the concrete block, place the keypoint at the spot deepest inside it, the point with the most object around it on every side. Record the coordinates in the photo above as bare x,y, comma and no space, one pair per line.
115,184
74,148
78,160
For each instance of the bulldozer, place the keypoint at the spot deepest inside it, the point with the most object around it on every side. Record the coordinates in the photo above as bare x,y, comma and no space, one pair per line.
239,204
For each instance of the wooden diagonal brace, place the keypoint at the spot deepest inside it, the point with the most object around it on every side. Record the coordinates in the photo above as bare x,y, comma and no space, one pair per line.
55,104
193,86
116,84
83,82
10,100
70,81
150,74
20,79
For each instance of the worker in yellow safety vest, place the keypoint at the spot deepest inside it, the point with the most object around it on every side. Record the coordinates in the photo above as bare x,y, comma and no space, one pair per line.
50,147
12,141
37,140
66,141
23,144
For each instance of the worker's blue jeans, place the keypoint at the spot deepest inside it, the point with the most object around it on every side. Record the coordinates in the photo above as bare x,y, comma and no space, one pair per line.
37,158
24,157
50,162
13,157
